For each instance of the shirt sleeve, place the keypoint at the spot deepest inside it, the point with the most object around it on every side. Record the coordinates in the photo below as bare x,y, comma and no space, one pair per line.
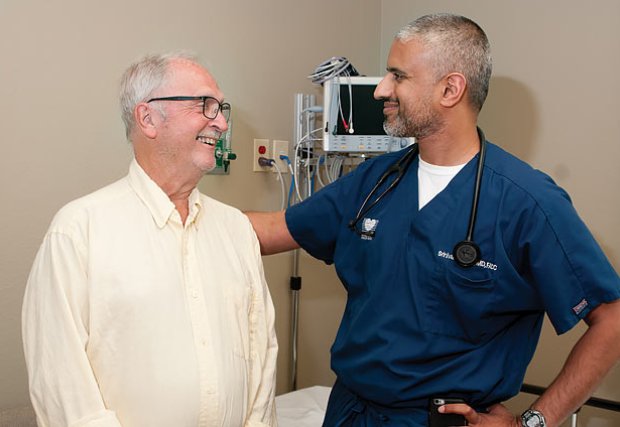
316,222
263,347
572,273
63,389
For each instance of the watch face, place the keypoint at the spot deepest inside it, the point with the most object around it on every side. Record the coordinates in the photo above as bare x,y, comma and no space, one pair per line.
533,419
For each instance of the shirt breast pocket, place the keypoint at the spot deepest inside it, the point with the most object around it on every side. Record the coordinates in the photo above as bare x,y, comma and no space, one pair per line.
459,302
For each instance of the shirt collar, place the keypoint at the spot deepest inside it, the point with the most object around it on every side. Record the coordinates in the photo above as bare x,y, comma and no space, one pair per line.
158,203
195,206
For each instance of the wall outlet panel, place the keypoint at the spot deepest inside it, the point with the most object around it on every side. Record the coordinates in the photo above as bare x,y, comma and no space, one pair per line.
280,148
262,148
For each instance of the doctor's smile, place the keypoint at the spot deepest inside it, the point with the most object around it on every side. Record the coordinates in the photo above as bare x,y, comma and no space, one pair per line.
390,106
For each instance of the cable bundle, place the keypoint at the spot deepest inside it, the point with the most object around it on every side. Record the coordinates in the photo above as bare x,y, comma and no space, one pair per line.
333,67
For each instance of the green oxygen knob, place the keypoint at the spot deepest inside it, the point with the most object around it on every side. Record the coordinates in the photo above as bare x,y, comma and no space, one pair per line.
223,153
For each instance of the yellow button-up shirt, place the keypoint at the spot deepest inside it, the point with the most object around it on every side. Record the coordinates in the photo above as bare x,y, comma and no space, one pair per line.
133,319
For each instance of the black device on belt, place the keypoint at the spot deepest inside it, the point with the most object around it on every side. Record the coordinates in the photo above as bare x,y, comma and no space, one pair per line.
437,419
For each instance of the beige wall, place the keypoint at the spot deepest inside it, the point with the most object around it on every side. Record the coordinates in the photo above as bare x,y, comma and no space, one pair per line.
553,98
554,102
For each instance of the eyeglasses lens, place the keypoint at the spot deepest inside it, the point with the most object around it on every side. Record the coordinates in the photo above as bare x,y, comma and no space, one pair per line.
212,107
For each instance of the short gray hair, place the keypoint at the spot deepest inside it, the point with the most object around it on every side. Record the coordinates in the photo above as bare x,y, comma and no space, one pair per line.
457,44
142,78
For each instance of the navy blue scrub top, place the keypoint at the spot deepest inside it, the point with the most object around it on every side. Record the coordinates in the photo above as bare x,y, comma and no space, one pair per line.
418,325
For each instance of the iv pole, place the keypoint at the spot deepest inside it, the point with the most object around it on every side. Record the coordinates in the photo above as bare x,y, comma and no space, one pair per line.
302,103
295,285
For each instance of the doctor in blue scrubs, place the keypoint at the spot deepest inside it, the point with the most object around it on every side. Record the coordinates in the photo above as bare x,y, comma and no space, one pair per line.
445,300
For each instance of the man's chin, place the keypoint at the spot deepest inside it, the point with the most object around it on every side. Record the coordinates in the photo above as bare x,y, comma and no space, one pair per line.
395,131
208,168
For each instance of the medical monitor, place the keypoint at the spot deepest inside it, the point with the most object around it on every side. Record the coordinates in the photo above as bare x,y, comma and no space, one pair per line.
353,119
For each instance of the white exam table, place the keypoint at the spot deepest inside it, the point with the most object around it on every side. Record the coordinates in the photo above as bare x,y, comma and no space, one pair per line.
302,408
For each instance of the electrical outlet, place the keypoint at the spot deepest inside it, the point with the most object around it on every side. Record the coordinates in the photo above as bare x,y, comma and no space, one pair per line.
261,149
280,148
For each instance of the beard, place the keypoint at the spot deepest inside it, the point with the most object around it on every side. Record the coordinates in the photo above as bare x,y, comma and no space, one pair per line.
420,125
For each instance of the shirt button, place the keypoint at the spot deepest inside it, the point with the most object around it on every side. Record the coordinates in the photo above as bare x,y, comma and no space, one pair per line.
194,293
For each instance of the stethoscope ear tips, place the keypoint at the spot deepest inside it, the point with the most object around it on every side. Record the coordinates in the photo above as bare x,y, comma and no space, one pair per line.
466,253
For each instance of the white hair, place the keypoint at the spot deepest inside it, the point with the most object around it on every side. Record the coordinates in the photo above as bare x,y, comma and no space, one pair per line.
144,77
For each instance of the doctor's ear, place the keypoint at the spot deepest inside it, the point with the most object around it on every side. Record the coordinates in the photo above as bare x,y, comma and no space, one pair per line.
454,85
145,121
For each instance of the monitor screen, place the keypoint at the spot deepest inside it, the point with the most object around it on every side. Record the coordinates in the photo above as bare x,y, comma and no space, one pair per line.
353,119
367,112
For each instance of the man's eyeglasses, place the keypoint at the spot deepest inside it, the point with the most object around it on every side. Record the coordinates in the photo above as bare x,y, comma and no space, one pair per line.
210,105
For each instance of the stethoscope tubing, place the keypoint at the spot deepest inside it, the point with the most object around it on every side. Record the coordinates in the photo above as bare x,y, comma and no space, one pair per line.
466,252
476,197
399,166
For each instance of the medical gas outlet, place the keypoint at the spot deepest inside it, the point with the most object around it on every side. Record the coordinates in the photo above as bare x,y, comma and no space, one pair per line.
261,149
280,155
275,150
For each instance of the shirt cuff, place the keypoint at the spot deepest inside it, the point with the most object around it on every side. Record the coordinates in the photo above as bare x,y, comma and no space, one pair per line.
101,419
251,423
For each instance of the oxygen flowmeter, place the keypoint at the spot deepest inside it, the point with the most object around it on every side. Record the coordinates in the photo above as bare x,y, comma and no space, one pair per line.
224,153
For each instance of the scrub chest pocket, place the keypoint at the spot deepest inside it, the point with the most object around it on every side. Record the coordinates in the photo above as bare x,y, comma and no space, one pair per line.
458,301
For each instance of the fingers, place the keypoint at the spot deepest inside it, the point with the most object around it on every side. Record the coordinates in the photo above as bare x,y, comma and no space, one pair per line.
497,415
462,409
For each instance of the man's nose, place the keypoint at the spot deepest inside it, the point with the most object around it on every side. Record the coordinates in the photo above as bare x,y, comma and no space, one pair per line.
220,123
382,91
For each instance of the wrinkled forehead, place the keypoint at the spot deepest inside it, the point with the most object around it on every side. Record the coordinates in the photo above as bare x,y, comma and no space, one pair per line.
187,78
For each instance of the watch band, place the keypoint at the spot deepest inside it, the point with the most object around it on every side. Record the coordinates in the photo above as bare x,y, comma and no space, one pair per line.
533,418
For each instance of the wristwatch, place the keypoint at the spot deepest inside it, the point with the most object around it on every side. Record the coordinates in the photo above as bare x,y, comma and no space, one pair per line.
533,418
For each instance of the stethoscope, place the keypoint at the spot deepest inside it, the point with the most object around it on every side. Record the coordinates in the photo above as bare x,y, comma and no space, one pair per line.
466,253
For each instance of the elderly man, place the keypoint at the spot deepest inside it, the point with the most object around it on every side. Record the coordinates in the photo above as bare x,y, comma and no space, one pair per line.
147,303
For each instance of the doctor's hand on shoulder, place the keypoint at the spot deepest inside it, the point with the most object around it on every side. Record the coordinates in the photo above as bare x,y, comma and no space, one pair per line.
497,416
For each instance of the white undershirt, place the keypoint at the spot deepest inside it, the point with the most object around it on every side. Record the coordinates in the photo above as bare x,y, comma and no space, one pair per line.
432,179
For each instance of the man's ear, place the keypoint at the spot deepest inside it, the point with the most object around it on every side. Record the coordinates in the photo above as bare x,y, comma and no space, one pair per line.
454,86
143,116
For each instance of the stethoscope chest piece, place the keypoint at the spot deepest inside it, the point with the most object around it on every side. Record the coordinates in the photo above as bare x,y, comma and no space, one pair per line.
466,253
